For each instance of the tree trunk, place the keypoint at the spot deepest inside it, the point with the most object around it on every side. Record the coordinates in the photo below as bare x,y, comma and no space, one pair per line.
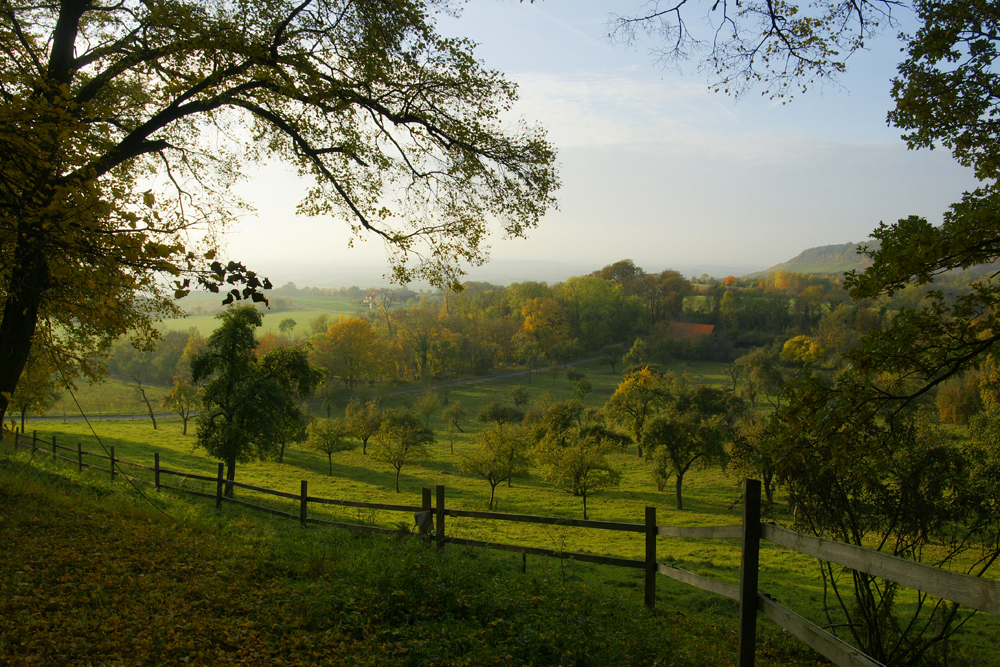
584,505
20,314
230,476
493,490
397,479
145,399
185,417
768,491
680,482
329,459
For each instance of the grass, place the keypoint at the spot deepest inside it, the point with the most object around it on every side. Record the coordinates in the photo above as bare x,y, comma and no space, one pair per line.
95,574
711,498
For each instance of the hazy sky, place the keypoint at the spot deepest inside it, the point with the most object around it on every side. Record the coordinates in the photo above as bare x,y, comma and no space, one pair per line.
654,166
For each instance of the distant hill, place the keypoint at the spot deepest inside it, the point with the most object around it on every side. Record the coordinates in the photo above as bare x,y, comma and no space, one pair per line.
825,259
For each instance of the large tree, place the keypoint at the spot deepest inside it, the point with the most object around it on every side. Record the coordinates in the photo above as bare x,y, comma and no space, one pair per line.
123,126
246,397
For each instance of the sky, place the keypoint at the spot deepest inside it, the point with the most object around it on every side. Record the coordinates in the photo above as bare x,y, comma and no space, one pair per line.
655,167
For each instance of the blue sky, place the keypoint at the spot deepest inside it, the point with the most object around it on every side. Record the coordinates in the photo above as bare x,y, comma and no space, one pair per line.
655,167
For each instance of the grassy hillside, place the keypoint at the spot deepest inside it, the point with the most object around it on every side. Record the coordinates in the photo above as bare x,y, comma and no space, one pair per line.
828,259
93,574
711,498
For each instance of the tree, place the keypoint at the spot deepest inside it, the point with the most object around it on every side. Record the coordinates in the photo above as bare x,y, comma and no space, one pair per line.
349,349
751,453
519,396
286,325
500,414
98,98
363,420
245,396
577,463
611,355
453,414
502,455
182,399
401,439
673,441
426,404
292,427
37,391
888,479
639,395
582,387
328,436
761,374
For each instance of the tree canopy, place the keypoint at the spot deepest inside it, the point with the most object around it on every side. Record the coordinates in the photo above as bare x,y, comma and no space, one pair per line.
246,397
124,125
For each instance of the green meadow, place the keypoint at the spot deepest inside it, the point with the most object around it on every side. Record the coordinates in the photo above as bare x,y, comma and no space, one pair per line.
711,498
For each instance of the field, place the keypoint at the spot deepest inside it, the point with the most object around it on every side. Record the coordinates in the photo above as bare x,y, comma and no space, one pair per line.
711,498
304,308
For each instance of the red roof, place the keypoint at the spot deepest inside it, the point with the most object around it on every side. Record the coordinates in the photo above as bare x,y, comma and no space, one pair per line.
687,331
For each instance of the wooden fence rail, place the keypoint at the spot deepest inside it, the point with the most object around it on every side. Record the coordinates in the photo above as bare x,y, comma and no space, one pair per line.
974,592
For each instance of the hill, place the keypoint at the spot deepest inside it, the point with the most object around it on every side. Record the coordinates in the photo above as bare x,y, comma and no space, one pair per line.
825,259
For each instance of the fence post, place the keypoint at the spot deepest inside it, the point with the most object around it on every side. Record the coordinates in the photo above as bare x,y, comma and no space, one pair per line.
156,469
748,573
79,456
53,448
650,557
303,502
112,462
34,441
439,489
218,489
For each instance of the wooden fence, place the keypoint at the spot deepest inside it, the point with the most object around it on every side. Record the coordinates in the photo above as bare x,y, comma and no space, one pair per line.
974,592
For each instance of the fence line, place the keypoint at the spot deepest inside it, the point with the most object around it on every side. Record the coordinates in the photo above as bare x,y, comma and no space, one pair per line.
974,592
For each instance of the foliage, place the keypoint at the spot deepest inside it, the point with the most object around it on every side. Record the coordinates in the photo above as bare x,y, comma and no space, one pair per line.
348,350
890,480
778,45
426,404
501,455
640,395
361,98
761,374
328,436
401,439
519,396
363,420
574,455
499,413
37,390
451,415
183,398
582,387
751,452
245,397
674,440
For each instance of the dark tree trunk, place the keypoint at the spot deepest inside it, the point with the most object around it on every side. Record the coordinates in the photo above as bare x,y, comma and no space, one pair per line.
493,490
149,408
584,505
281,453
329,460
20,314
230,476
678,485
397,479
